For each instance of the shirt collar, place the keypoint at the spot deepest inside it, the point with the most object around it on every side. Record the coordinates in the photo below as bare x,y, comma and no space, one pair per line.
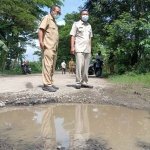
84,23
52,18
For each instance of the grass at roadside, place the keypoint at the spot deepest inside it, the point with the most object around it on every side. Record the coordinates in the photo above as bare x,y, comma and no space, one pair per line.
132,79
16,72
10,72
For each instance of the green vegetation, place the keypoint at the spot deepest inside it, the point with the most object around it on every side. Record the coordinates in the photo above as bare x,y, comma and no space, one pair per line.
11,72
36,67
142,80
19,20
119,26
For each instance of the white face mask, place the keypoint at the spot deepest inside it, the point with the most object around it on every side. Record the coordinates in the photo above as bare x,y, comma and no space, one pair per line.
85,18
56,16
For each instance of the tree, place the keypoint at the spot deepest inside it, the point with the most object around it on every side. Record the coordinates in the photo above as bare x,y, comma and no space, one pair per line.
19,22
64,38
123,26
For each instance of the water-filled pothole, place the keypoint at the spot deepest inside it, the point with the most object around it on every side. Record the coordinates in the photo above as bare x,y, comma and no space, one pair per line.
74,126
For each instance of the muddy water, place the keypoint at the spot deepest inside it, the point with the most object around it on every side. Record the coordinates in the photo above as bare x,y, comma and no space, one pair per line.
75,126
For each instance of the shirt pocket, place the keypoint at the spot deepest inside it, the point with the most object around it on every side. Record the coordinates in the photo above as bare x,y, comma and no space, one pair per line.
80,30
52,31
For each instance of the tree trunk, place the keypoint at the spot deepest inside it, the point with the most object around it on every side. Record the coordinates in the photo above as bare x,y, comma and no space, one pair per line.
3,61
13,64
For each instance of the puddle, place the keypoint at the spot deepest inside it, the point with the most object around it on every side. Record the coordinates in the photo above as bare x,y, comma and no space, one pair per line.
75,127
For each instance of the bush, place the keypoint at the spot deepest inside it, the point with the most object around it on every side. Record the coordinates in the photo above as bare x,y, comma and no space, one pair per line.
121,69
36,67
143,67
133,79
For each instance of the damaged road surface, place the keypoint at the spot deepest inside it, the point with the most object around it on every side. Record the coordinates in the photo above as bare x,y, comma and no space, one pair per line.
74,126
107,117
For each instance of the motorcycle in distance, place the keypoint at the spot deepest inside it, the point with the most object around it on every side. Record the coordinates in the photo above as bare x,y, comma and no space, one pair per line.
91,68
98,65
26,68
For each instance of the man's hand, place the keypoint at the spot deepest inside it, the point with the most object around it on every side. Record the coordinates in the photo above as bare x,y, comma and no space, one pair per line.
40,35
72,51
42,46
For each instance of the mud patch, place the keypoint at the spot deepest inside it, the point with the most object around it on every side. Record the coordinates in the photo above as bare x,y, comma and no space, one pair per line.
145,146
29,85
74,126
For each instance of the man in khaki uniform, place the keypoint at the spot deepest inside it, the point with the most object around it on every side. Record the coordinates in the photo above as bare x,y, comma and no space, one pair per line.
48,39
81,34
71,66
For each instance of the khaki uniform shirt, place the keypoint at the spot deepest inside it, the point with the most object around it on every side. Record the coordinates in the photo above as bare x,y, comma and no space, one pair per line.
71,63
51,35
82,33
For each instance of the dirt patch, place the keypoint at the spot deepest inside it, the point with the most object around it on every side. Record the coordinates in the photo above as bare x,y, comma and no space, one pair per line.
27,90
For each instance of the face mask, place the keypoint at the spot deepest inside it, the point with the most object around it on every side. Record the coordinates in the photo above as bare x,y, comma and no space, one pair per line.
56,16
85,18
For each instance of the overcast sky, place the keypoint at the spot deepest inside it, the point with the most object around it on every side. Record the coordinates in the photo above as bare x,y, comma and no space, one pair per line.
69,7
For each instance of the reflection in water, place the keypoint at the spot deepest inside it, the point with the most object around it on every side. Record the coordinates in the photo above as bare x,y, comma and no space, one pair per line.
48,130
71,126
81,130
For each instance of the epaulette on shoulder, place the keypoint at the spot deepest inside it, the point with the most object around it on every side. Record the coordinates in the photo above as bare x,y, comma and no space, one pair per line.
44,17
47,16
75,23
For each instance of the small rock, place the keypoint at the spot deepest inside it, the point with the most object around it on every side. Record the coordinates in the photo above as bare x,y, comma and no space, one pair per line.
58,147
2,104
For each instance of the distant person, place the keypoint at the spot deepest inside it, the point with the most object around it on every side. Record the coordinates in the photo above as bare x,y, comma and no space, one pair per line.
48,39
98,64
99,56
111,62
25,68
81,37
71,66
25,63
63,66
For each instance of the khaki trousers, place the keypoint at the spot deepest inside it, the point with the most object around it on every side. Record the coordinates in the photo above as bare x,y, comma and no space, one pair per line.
82,127
71,69
48,130
48,66
82,66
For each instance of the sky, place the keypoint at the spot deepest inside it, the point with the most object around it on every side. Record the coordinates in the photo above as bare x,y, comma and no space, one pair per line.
69,7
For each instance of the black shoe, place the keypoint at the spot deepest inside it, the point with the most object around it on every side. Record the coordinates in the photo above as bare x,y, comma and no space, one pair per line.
87,86
55,87
49,88
78,86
